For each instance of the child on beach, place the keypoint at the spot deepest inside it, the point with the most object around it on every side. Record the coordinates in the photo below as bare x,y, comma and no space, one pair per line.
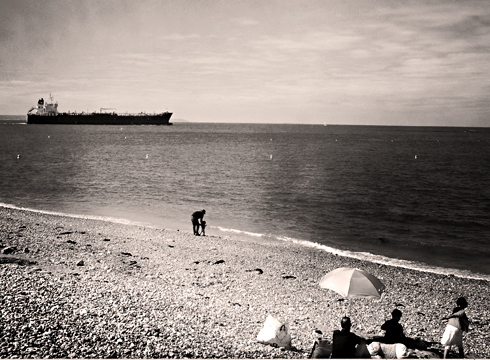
203,226
393,329
457,324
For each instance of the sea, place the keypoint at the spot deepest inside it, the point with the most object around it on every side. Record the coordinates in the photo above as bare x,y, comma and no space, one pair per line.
413,197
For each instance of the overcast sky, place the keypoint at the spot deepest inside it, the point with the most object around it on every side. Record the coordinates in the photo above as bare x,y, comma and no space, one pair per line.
342,62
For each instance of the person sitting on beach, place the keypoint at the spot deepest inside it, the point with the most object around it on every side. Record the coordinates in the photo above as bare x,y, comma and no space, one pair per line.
196,220
344,342
458,322
393,329
203,226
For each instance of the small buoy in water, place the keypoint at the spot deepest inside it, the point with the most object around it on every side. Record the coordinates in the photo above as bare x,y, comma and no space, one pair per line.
415,156
18,156
271,157
48,136
271,139
125,137
147,156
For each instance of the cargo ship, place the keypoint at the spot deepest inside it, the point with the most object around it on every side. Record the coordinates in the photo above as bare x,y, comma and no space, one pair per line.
47,113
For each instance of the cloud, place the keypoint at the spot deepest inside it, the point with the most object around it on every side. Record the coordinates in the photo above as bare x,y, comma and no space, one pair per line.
180,37
309,55
242,21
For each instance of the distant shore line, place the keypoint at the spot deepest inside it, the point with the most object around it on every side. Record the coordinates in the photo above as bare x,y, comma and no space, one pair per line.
14,119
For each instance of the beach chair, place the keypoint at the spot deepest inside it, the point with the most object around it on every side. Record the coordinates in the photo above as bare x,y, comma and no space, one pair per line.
322,348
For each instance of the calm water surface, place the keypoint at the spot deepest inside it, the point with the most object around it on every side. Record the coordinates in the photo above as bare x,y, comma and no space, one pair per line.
410,196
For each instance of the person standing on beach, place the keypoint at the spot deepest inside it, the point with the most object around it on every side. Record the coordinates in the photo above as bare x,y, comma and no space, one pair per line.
344,342
457,324
196,220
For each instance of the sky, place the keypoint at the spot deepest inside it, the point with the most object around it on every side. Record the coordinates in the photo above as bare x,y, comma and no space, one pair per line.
365,62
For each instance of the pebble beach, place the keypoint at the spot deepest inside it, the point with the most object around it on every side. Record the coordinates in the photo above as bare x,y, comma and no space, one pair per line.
81,288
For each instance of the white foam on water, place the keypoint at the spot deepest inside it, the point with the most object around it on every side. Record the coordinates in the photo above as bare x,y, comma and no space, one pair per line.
239,232
77,216
363,256
366,256
380,259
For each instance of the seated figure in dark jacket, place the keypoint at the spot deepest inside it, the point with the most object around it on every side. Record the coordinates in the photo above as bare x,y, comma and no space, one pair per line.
393,329
344,342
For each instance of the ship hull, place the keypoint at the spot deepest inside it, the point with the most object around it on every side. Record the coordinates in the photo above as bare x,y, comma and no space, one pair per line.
100,119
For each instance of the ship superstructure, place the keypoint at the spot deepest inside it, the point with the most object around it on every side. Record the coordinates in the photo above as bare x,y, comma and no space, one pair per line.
44,108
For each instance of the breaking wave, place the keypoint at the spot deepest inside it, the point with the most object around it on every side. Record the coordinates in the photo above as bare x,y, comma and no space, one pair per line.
77,216
366,256
363,256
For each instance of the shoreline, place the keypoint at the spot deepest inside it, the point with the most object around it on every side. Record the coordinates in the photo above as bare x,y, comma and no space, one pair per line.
142,291
219,231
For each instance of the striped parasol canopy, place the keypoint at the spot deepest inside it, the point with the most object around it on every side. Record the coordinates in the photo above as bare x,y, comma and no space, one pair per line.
353,283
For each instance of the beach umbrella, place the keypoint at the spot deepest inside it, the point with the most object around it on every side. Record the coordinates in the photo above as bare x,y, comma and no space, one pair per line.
353,283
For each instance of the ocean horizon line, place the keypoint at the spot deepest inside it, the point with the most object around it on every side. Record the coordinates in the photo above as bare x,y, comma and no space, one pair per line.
19,118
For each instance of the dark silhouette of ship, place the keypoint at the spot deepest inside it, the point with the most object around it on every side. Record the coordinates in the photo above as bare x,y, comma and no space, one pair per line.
47,113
